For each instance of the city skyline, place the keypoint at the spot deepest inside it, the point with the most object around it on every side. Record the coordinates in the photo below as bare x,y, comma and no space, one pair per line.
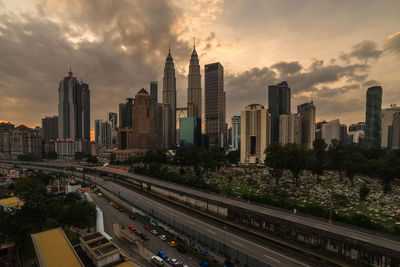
329,67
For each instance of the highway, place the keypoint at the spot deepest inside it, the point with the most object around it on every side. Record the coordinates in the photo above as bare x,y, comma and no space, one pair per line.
255,249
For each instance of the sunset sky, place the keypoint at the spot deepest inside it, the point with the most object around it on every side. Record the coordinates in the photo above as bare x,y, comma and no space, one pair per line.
328,51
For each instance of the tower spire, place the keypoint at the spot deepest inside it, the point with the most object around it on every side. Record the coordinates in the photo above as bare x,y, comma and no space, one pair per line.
169,46
194,42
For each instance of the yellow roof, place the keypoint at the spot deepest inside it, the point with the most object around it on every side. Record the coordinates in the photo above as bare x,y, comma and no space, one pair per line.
54,250
11,202
125,264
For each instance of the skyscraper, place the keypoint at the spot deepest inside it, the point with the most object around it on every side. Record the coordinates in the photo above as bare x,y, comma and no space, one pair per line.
330,131
154,101
73,117
214,103
307,112
255,134
189,131
278,104
194,87
50,128
143,121
396,131
125,114
97,130
169,101
236,125
105,138
113,119
387,121
373,117
290,129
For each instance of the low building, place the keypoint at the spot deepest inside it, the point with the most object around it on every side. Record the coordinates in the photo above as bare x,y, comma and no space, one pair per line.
9,254
128,153
53,249
20,140
100,250
11,203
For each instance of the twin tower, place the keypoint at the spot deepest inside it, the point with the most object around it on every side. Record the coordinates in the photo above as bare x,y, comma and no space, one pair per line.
169,97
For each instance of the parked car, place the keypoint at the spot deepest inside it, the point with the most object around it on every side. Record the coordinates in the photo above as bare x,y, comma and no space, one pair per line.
162,254
154,232
121,210
132,228
143,236
132,217
172,243
157,260
173,261
162,237
116,206
147,227
181,249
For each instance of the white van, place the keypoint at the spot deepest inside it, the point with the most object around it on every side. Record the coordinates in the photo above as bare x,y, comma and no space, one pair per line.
157,260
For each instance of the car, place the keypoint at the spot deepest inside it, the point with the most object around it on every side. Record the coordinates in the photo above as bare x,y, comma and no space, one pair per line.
162,254
182,265
148,228
162,237
173,261
172,243
154,232
157,260
121,210
116,207
132,217
143,236
181,249
132,228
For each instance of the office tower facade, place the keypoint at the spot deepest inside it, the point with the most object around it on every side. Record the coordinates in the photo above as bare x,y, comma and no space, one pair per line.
395,131
278,104
97,130
189,131
289,129
357,126
143,121
125,113
194,86
307,113
105,137
214,103
373,117
113,120
343,132
169,101
236,128
73,117
154,100
255,134
158,117
122,115
330,131
387,122
50,128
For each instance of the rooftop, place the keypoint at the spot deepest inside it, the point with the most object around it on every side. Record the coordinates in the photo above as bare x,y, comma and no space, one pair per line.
54,250
13,202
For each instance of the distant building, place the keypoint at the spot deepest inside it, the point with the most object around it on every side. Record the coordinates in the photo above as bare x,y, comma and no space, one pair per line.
20,140
50,128
278,104
255,134
10,203
97,130
122,116
387,122
236,127
395,131
73,117
289,129
373,117
143,121
194,86
100,250
307,112
331,131
154,102
356,137
189,131
357,126
214,104
105,137
113,120
169,101
158,117
343,133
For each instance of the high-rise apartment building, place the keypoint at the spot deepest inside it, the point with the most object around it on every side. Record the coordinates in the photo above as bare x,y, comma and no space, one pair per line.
289,129
113,120
373,117
343,132
169,101
330,131
387,121
105,136
50,128
125,113
357,126
278,104
97,130
214,103
154,101
396,131
73,117
236,128
307,112
194,86
143,121
255,134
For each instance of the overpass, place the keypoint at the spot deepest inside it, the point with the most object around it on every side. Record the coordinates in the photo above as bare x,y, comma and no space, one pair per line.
331,242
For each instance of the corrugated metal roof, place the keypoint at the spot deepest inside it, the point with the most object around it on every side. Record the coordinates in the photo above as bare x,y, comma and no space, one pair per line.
11,202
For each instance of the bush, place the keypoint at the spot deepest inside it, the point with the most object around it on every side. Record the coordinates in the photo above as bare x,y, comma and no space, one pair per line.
364,191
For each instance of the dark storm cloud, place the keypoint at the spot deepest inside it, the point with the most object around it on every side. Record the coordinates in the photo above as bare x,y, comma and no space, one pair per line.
371,83
392,43
287,68
129,49
363,51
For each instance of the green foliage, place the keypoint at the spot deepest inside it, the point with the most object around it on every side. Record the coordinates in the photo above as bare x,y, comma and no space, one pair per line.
51,155
92,159
276,160
296,159
79,155
27,157
318,158
364,191
233,157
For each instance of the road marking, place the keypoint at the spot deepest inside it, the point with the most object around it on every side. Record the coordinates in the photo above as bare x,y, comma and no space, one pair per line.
190,222
237,243
271,258
211,231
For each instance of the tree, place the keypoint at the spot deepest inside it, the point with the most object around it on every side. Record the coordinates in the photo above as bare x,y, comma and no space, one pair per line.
79,155
275,159
337,156
51,155
317,166
92,159
350,171
296,159
364,191
233,157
